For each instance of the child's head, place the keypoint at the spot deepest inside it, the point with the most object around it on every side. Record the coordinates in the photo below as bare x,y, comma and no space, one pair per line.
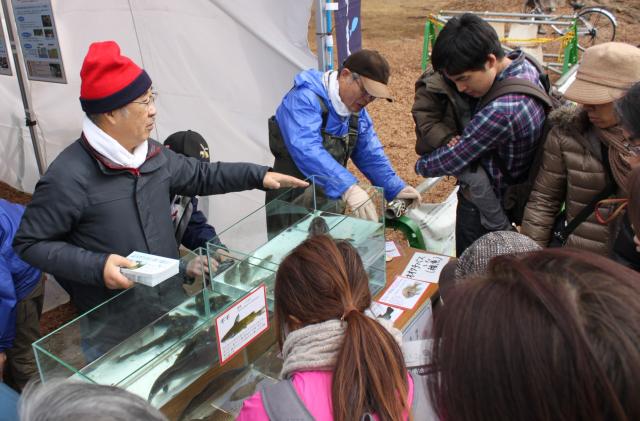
467,51
553,334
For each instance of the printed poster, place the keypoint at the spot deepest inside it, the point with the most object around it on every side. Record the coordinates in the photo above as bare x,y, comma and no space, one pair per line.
39,40
241,323
425,267
384,311
404,293
348,29
5,67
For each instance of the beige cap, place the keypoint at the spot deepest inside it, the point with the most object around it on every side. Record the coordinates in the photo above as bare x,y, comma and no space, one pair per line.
606,72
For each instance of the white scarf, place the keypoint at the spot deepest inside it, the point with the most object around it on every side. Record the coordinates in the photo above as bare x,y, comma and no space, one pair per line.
316,346
330,82
111,149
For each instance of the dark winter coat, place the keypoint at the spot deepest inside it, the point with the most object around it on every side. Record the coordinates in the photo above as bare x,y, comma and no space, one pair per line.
439,112
85,208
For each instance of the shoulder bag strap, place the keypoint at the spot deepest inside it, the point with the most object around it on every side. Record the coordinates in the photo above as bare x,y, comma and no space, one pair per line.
282,403
582,216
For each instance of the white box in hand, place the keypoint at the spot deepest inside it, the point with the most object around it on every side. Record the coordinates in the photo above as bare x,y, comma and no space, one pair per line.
150,269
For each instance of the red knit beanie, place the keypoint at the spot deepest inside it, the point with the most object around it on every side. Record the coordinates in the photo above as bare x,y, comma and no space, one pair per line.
109,79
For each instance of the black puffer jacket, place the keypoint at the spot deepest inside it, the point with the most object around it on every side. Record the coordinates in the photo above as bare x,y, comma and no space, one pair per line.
85,208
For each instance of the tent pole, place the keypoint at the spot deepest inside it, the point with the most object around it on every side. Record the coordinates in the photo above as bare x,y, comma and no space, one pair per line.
21,73
321,32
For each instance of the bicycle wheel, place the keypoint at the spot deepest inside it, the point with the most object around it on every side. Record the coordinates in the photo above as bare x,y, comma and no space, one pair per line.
595,26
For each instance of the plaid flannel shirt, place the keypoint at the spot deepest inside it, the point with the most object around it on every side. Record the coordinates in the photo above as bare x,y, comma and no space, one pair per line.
510,126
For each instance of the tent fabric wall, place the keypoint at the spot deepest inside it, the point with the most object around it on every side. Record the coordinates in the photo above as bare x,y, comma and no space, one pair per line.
220,68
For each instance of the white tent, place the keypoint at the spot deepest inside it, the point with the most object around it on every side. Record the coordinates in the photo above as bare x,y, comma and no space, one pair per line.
220,68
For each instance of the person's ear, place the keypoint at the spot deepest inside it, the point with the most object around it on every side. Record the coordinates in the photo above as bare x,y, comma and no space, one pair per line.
491,62
110,117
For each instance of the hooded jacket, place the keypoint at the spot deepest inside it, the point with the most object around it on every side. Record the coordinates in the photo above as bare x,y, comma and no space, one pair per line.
439,112
85,208
299,117
17,278
571,172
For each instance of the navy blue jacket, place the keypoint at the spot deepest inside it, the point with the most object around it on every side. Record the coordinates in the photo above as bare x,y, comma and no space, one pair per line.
86,207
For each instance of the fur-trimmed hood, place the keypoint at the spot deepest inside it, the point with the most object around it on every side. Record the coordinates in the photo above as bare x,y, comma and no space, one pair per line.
570,118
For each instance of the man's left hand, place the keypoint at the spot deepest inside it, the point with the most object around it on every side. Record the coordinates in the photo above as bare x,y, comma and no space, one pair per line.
199,266
411,195
276,180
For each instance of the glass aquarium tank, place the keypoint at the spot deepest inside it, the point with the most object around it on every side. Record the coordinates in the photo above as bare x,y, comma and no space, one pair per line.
161,342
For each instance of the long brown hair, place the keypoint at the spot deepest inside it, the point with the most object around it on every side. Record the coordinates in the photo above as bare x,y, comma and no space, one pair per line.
553,334
323,279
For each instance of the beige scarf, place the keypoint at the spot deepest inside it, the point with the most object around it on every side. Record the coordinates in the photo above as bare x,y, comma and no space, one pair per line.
619,155
316,346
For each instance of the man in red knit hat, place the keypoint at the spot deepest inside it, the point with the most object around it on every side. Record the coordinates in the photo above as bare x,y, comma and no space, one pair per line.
108,193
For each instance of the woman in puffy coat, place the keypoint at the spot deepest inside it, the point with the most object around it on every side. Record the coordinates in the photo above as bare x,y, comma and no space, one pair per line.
581,145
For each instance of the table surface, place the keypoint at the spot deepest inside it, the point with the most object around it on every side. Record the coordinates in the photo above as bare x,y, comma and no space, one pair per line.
395,268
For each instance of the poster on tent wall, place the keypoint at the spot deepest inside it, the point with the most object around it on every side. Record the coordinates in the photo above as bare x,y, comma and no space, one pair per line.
348,34
5,68
39,40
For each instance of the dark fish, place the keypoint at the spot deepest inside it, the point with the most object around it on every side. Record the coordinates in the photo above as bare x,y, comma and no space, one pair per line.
198,353
215,386
318,226
246,390
178,325
216,302
386,315
240,324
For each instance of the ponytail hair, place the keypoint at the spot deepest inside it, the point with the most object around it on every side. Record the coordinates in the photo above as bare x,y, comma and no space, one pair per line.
323,279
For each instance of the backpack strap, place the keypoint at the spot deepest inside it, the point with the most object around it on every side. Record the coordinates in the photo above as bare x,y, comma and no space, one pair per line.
325,111
282,402
515,85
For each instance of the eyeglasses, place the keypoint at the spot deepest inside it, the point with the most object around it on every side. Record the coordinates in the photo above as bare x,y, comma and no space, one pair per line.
613,208
150,100
363,92
632,149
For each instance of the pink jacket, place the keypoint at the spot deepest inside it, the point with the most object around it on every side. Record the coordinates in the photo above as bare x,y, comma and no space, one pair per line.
313,387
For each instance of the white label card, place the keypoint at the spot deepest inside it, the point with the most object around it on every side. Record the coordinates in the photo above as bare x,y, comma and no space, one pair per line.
404,293
391,249
425,267
241,323
384,311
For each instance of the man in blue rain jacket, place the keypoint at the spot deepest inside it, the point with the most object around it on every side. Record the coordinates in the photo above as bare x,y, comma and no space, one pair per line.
321,123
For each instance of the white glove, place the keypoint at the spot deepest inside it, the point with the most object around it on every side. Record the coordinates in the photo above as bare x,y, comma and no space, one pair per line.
411,195
360,203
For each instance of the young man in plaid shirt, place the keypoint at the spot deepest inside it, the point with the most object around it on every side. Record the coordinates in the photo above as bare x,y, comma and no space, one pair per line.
468,52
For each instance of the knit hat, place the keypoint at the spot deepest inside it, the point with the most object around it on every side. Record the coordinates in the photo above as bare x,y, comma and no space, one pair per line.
109,79
476,257
374,70
606,71
190,144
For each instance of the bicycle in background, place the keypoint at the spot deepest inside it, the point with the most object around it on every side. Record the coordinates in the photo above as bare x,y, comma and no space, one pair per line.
595,25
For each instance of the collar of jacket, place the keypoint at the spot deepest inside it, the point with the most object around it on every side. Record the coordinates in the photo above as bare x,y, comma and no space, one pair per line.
155,159
573,121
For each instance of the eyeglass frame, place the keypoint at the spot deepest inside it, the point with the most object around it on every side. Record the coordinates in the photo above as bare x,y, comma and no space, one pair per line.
632,149
363,92
152,99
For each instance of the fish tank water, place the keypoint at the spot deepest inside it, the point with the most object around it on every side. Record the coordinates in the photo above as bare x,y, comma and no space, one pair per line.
160,342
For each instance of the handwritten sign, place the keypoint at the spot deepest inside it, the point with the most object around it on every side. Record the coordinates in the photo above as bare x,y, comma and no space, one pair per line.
404,293
242,323
425,267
